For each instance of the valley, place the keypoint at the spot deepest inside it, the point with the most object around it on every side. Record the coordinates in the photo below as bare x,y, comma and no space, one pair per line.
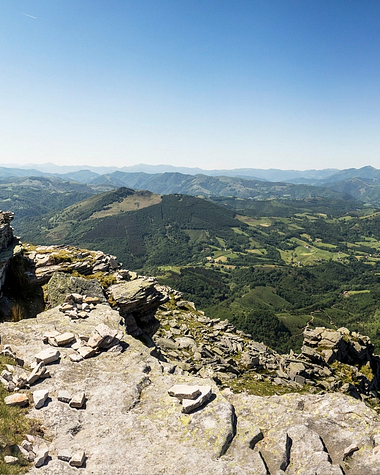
269,266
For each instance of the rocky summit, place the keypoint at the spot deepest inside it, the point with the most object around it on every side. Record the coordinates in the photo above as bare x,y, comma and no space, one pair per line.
127,377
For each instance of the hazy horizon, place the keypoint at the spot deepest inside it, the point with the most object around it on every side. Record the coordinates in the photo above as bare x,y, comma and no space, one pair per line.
219,84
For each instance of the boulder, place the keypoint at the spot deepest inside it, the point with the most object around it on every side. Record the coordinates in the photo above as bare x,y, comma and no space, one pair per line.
60,285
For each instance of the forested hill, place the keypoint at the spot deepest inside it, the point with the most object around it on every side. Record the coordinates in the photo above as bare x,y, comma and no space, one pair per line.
141,228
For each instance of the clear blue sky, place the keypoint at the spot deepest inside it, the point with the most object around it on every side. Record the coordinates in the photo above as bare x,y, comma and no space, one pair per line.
207,83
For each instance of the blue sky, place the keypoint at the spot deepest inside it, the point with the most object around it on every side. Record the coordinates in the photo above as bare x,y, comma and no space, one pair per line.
207,83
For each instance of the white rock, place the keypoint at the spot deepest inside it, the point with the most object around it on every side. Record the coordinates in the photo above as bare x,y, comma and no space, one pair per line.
19,399
9,460
77,459
37,373
184,391
75,357
49,334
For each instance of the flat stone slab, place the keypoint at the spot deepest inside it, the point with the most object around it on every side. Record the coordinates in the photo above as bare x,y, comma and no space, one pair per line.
184,391
19,399
38,372
49,334
65,338
39,398
49,355
86,351
189,405
76,357
77,459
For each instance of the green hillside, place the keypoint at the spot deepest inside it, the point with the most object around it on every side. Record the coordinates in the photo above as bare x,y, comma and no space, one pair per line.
271,267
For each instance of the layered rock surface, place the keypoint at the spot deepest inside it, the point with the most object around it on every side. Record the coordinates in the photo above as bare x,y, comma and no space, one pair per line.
123,419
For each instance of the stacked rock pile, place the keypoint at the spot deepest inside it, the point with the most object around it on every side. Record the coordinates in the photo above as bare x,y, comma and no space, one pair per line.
78,306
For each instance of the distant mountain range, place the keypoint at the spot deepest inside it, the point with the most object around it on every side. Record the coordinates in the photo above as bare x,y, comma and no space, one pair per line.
361,184
256,173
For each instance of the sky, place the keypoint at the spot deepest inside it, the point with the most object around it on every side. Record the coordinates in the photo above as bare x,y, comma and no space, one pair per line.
215,84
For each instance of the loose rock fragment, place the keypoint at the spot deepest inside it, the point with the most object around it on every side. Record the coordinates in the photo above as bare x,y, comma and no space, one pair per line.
49,334
49,355
77,459
64,396
39,398
191,404
184,391
75,357
86,351
41,456
348,451
65,338
64,455
78,400
9,460
38,372
19,399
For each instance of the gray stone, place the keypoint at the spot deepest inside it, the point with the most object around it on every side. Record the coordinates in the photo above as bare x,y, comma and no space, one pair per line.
40,397
41,456
7,375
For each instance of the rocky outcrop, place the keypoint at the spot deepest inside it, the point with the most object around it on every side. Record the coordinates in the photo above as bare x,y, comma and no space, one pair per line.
127,422
112,404
44,261
137,302
9,245
61,285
